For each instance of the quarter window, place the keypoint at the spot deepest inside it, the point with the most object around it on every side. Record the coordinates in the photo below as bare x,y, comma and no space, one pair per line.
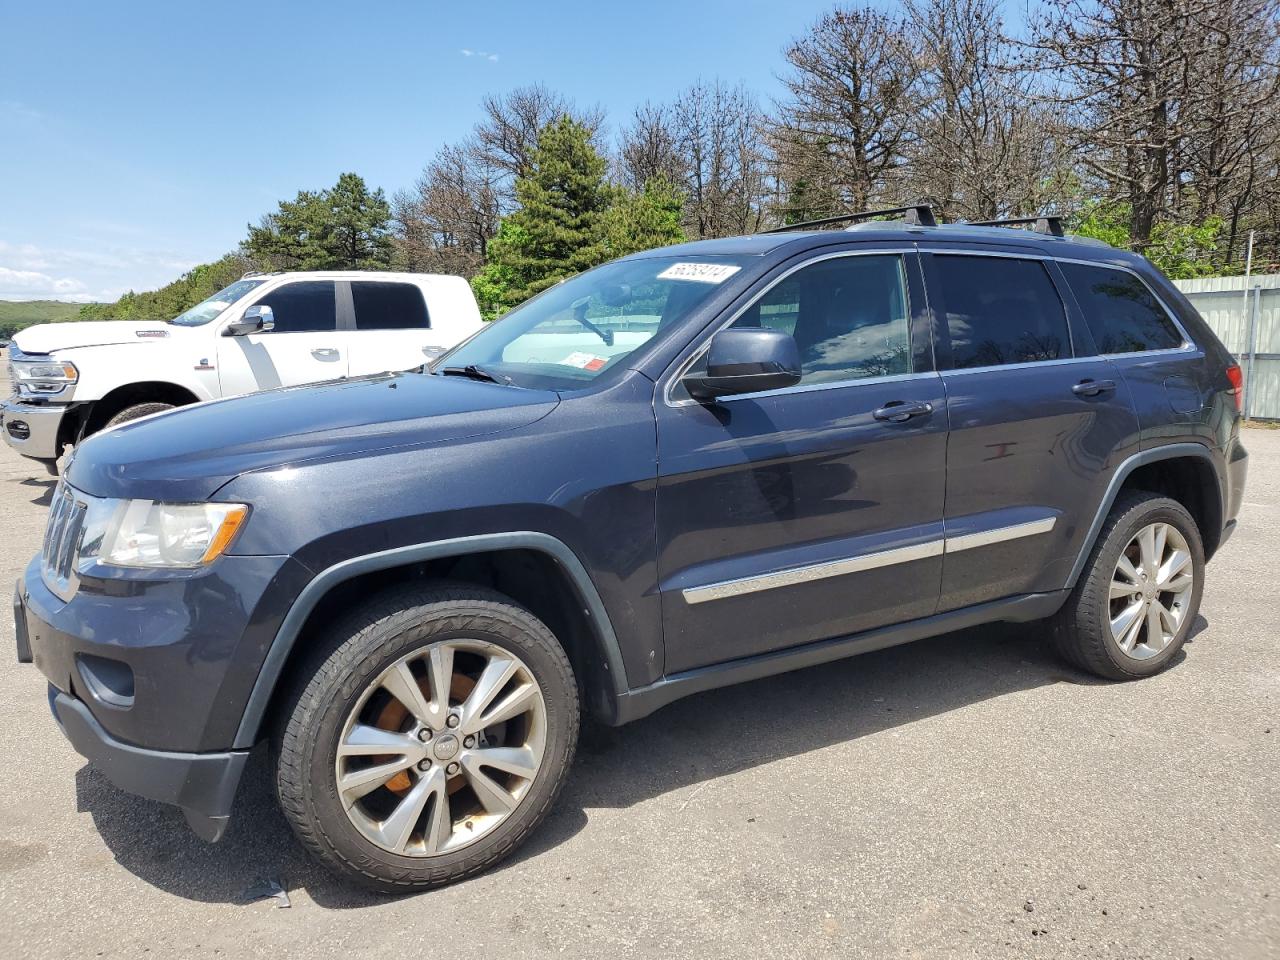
388,306
307,305
848,315
1123,315
1001,310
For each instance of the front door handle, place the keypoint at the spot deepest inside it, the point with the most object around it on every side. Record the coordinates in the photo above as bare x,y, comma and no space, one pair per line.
1091,388
899,411
324,353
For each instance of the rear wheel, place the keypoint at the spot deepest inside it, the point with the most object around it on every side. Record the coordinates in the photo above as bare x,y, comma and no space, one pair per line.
1133,607
431,738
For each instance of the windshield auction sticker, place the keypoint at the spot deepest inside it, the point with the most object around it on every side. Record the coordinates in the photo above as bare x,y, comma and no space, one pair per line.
584,361
700,272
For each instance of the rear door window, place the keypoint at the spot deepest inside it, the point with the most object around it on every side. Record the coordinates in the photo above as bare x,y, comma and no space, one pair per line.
1123,315
1001,310
303,307
381,305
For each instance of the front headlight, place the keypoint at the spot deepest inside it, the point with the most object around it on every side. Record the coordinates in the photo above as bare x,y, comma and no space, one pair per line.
43,376
147,533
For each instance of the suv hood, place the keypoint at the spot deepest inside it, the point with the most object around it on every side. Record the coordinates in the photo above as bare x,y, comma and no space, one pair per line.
187,454
47,337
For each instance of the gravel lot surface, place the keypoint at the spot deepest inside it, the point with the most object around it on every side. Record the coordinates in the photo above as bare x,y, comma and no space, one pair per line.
966,796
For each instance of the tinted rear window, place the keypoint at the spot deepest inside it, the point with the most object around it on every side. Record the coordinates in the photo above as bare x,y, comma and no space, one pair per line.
388,306
1123,315
1001,310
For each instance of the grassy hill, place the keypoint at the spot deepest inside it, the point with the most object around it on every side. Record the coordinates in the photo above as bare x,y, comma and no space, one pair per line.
16,314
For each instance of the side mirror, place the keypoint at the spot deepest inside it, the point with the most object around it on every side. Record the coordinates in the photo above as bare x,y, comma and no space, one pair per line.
256,319
744,361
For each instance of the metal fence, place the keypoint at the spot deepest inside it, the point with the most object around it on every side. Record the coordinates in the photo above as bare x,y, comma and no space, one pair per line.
1246,319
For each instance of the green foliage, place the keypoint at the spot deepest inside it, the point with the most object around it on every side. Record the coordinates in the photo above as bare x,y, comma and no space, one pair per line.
173,298
644,220
345,227
1180,250
17,314
559,229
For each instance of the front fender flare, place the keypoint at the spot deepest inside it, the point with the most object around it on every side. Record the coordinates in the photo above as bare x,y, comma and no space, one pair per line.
285,638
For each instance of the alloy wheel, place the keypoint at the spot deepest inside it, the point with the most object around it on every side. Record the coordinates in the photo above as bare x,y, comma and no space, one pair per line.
441,748
1150,590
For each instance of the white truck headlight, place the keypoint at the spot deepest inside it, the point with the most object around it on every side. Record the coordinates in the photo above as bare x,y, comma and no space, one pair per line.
43,376
147,533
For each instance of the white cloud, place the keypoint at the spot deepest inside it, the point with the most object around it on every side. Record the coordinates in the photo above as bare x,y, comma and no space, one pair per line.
34,285
482,54
30,272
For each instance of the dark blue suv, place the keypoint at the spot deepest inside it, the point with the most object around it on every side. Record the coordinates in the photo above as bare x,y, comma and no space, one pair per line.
683,469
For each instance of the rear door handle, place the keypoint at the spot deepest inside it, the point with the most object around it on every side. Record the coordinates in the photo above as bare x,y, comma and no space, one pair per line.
899,411
324,353
1091,388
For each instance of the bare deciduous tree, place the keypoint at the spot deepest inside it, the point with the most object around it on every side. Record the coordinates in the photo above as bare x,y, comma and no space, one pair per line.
983,148
851,114
445,222
649,148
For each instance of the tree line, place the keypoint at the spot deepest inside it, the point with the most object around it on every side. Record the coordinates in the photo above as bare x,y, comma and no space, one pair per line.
1151,123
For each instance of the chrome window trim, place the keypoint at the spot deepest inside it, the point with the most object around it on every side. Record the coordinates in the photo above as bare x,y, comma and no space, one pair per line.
683,368
865,561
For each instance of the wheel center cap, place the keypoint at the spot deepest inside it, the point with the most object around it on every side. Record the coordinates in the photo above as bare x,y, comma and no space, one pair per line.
445,747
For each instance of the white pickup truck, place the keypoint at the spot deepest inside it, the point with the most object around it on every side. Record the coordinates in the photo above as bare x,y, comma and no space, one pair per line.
70,380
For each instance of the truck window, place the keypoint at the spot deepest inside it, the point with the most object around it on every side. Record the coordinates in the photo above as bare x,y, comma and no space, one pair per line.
307,305
389,306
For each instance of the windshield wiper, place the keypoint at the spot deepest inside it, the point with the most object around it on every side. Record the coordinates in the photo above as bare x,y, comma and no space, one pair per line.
475,373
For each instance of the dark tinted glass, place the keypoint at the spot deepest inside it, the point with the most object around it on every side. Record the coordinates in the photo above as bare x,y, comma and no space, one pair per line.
306,305
1123,315
848,315
1001,310
388,306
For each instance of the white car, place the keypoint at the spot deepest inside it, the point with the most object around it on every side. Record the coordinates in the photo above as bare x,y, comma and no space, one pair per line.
70,380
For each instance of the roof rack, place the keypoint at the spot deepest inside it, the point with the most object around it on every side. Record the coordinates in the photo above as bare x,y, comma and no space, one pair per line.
918,214
1051,226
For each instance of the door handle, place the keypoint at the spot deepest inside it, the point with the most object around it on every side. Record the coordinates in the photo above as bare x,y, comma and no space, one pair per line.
899,411
324,353
1091,388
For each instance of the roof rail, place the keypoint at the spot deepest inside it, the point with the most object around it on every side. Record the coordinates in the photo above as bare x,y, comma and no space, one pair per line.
918,214
1051,226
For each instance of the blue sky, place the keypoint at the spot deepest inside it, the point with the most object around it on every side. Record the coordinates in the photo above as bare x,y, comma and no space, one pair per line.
138,139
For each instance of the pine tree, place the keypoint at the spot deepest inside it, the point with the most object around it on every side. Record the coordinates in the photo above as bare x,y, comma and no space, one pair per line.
559,229
644,220
346,227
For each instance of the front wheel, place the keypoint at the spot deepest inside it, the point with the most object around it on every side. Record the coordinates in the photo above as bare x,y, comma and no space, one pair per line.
1132,609
430,740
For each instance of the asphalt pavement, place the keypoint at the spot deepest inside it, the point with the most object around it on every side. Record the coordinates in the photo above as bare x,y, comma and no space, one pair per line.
965,796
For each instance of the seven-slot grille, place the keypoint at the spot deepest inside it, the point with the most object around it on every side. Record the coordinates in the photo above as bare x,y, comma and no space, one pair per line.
62,537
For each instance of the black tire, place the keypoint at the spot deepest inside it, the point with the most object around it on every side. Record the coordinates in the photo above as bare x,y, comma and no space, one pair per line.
1082,628
136,411
354,654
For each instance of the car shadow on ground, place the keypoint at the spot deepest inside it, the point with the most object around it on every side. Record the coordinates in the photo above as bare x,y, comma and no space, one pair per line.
46,488
680,746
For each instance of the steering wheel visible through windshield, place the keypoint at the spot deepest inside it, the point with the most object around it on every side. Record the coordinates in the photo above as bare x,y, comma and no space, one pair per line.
570,334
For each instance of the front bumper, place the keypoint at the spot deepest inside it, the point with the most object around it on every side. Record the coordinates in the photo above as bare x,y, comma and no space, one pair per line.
202,784
32,428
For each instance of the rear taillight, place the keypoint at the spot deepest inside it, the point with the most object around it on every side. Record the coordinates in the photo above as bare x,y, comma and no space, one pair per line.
1236,376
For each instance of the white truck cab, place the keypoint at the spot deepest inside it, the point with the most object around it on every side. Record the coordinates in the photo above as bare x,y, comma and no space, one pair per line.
70,380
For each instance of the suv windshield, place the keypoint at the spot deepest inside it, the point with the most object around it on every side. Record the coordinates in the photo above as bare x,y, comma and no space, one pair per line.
570,334
206,310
